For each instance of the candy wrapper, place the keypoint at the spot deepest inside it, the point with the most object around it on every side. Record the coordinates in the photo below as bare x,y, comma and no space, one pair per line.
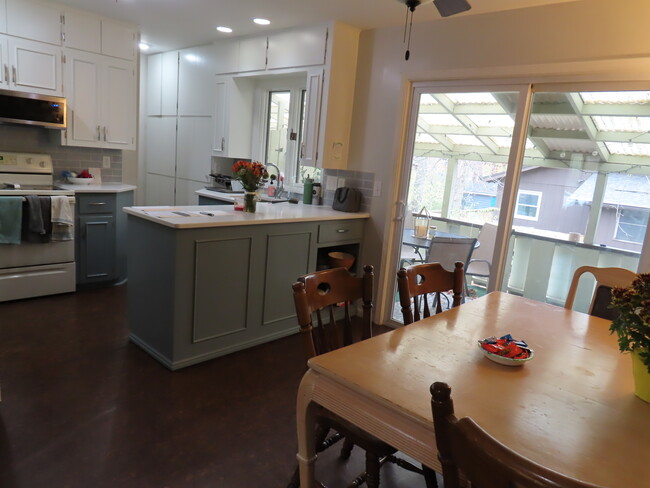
506,347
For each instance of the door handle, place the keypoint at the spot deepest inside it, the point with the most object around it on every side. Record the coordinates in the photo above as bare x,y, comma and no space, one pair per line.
6,74
13,74
223,143
104,133
302,150
99,137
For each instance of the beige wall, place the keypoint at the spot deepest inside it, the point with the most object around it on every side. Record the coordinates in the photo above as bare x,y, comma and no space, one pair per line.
586,40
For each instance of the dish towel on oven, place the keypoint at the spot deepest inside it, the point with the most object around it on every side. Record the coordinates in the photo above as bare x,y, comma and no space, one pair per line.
37,222
11,216
62,219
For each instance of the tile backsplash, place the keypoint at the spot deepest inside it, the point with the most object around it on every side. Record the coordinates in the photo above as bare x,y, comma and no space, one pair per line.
355,179
20,138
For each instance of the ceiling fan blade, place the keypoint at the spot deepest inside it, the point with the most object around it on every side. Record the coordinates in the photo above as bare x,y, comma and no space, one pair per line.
451,7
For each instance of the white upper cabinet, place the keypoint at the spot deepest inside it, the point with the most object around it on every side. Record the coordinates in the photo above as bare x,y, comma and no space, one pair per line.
33,67
162,83
101,96
297,47
82,31
36,20
118,40
5,75
196,81
233,117
313,96
3,17
226,56
252,54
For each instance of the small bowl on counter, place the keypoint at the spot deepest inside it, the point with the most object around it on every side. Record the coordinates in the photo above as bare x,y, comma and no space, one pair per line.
80,181
340,259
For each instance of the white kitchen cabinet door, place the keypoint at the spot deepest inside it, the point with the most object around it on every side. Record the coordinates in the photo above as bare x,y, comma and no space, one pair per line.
118,102
160,145
153,92
82,31
233,117
186,191
313,98
118,40
82,75
195,80
3,17
226,56
252,54
297,47
169,93
34,66
159,190
194,151
5,75
36,20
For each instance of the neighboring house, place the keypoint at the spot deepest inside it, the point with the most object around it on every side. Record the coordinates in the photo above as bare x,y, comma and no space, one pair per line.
559,200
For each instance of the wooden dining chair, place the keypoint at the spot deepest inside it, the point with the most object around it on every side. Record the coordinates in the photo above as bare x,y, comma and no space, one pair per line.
325,296
466,450
416,283
606,279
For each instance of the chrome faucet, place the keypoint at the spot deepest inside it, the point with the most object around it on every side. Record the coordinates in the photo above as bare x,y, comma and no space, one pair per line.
280,187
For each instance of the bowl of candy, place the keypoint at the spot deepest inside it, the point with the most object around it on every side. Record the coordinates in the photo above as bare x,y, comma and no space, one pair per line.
506,351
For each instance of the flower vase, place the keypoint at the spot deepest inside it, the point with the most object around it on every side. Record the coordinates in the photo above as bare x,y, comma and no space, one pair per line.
641,377
250,201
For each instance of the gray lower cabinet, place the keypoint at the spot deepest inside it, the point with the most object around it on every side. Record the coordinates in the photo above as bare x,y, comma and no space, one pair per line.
100,237
195,294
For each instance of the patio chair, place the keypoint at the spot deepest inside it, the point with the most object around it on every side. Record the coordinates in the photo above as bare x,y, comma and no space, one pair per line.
480,264
606,279
465,448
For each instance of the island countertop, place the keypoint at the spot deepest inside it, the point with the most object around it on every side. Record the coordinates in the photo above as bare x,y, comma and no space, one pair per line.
202,216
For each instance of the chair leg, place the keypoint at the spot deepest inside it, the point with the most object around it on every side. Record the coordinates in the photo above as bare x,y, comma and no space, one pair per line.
346,450
430,479
372,469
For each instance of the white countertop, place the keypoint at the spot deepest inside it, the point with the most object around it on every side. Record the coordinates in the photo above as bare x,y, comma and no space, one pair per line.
100,188
226,216
230,197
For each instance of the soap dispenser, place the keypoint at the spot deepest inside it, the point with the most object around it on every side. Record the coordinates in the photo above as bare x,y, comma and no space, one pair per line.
307,190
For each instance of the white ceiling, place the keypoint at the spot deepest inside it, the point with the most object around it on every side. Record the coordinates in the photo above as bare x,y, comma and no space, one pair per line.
173,24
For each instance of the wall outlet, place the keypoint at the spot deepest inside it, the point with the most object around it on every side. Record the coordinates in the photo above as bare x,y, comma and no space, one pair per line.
376,189
106,162
330,183
341,182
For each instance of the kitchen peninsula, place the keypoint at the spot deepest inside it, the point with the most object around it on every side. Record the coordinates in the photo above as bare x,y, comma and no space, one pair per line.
205,281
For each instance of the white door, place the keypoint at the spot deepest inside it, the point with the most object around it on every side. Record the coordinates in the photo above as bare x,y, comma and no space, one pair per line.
194,153
34,20
195,79
153,91
35,66
118,100
160,145
219,143
159,190
3,19
82,74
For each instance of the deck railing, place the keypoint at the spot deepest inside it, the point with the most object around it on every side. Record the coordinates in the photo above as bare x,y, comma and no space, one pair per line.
541,267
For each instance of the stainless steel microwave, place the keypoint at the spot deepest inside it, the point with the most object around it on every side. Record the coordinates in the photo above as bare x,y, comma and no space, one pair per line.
32,109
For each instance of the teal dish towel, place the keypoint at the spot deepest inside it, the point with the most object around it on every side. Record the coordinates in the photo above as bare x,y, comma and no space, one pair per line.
11,216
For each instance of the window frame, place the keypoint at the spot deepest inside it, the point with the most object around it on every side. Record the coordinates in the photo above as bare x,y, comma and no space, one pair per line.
619,213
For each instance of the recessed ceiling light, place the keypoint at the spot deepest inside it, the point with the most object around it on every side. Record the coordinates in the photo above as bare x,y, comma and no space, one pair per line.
260,21
144,46
223,28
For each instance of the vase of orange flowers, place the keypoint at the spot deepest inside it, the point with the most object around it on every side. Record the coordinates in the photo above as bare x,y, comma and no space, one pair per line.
252,176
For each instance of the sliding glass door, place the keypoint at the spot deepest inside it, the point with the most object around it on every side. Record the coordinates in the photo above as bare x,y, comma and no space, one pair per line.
547,178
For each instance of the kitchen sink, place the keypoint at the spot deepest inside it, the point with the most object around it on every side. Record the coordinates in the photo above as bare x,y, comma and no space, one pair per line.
267,199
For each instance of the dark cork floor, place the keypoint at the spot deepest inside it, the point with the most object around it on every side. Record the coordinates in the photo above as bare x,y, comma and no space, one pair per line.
83,407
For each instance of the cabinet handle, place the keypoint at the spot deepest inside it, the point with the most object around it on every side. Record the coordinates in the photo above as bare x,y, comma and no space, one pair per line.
104,133
223,143
6,73
13,73
342,231
97,204
302,150
99,137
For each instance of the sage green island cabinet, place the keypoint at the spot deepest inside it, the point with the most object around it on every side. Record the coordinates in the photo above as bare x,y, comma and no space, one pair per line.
202,286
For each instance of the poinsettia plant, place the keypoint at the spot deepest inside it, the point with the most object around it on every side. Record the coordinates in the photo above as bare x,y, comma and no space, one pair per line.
251,174
632,325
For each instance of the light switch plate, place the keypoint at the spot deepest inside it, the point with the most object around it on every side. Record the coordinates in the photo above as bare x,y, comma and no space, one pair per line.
97,175
106,161
341,182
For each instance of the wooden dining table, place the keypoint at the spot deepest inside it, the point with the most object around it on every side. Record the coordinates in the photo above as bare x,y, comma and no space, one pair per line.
571,408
